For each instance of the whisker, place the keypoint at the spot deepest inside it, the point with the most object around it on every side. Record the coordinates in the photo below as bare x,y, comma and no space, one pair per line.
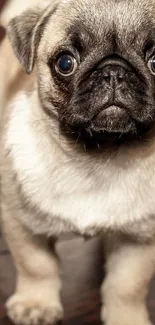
99,146
79,134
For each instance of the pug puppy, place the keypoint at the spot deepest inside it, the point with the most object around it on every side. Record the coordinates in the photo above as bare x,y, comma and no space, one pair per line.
78,152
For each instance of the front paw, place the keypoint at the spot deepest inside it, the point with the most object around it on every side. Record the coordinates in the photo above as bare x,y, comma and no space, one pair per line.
33,311
123,315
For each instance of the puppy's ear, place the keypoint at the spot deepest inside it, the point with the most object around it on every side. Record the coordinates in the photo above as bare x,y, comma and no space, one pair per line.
25,32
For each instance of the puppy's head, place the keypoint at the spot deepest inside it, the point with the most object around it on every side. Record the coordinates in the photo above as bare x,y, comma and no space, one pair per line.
95,63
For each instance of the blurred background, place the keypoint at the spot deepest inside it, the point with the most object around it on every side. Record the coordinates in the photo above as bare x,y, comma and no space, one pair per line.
2,2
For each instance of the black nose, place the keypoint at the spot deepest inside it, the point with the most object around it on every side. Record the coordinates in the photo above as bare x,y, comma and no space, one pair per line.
114,75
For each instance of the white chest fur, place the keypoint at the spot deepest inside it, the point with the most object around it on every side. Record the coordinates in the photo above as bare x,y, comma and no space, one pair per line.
82,191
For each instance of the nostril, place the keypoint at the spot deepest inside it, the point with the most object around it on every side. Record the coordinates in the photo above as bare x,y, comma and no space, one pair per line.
107,78
113,74
121,79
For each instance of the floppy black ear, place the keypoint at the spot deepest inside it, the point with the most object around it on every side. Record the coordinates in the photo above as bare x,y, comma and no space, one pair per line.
25,32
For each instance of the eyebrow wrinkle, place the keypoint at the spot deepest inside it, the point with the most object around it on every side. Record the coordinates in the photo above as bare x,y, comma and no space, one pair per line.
80,37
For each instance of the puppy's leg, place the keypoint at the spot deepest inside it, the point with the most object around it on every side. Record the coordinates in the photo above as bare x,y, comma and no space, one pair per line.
130,268
37,297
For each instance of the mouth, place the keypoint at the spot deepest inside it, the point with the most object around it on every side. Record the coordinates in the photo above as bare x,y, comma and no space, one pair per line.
113,119
111,126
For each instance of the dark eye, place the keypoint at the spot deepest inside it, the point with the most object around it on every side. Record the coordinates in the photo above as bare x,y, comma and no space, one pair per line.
151,64
66,64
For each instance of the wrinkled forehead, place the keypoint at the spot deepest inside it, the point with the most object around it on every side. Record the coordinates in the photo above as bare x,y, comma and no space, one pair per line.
99,20
122,15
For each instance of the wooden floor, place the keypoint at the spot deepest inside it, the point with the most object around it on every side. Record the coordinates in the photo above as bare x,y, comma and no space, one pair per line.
82,273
